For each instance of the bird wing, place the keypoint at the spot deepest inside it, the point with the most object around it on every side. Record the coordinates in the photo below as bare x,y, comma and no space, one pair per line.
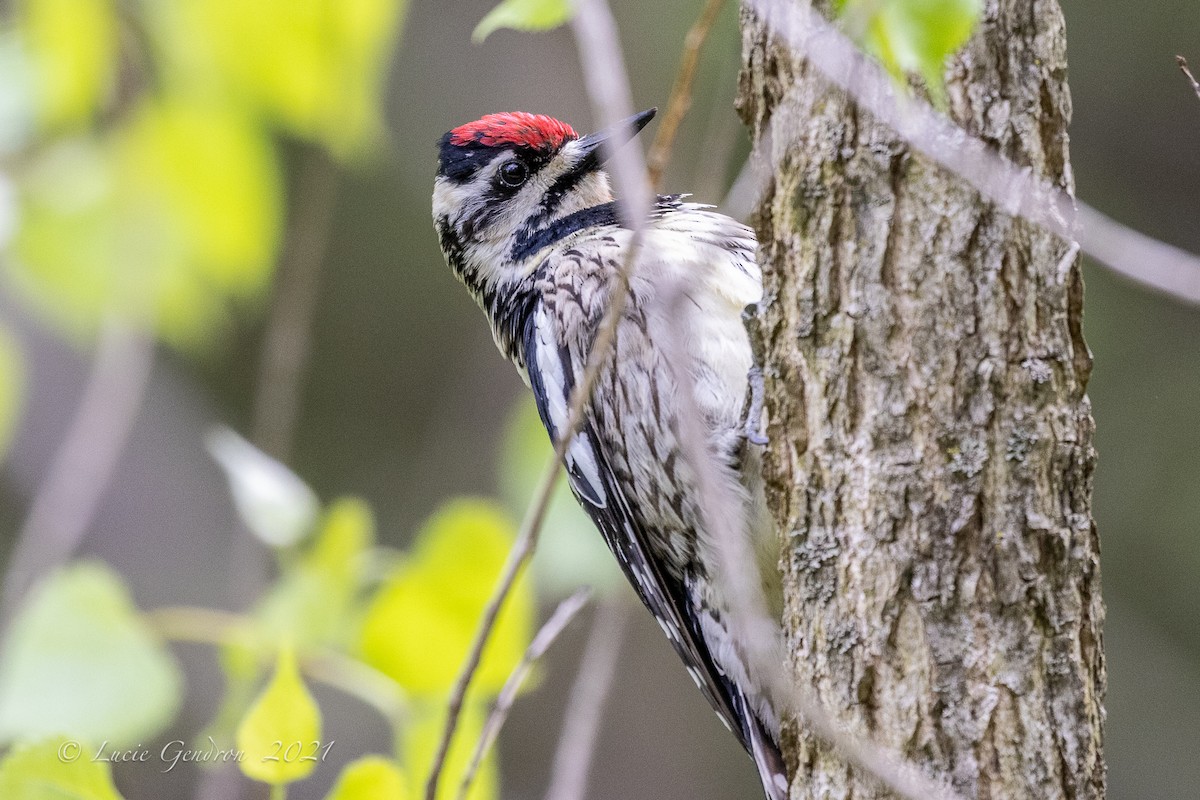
550,373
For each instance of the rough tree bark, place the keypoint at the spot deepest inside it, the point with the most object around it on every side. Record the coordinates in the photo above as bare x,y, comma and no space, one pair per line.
931,450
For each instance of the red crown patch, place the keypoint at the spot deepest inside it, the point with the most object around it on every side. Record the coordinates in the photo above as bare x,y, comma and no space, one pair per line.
514,128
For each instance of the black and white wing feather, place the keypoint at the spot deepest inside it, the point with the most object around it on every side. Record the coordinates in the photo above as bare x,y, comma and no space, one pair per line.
550,373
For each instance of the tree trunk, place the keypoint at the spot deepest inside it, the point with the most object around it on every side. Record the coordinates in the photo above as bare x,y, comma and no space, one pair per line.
931,450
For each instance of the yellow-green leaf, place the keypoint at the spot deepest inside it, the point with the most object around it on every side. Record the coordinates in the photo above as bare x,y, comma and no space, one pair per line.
523,15
284,714
72,48
56,769
314,67
200,204
315,600
421,738
371,778
421,623
913,36
163,221
78,661
12,387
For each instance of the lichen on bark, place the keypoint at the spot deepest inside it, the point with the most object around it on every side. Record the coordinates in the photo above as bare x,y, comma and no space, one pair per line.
930,459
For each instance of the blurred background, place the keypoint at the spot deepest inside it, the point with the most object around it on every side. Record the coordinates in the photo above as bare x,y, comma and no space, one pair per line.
314,221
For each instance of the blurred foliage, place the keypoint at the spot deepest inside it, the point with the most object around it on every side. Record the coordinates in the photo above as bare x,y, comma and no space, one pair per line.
284,716
438,596
12,383
371,778
523,15
78,660
141,143
72,48
276,506
421,740
912,36
55,769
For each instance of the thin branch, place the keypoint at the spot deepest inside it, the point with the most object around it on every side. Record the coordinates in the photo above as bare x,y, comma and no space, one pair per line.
67,498
325,665
608,87
1183,66
681,91
545,637
724,516
1016,191
288,338
518,557
287,342
585,706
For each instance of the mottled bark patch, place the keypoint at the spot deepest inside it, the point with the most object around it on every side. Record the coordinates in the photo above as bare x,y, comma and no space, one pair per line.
931,455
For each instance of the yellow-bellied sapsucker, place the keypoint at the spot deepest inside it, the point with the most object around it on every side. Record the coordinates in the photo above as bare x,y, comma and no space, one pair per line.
528,222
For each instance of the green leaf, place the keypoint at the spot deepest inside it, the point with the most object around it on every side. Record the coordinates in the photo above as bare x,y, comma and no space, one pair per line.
72,46
285,713
314,67
523,15
570,552
421,738
420,624
79,661
315,599
371,778
142,225
913,36
12,388
273,502
55,770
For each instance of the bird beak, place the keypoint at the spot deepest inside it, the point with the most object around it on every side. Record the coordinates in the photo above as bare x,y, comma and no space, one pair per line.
598,147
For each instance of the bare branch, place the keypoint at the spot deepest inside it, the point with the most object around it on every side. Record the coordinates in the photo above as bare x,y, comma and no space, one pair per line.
581,721
1183,66
1015,191
545,637
681,91
288,336
67,499
287,342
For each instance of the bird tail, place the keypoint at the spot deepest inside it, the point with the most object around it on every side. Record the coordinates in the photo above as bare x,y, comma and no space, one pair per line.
764,749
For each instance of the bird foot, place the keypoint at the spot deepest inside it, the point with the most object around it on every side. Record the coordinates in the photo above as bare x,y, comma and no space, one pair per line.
752,426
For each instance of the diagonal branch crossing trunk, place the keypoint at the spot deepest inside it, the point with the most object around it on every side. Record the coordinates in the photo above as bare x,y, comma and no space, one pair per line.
931,450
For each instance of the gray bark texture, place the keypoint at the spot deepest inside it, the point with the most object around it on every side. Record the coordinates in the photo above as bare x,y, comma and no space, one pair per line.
930,459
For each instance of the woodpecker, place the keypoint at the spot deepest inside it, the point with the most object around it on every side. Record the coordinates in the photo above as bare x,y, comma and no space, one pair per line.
527,221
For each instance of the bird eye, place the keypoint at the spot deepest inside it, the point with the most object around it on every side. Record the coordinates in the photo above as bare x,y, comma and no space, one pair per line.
513,174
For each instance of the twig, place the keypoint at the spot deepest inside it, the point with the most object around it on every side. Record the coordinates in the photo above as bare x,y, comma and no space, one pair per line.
545,637
723,514
83,465
518,557
324,665
287,342
681,91
608,87
1015,191
1183,66
585,706
288,337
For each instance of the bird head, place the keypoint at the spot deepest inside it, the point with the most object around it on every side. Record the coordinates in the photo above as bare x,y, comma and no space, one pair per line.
504,177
